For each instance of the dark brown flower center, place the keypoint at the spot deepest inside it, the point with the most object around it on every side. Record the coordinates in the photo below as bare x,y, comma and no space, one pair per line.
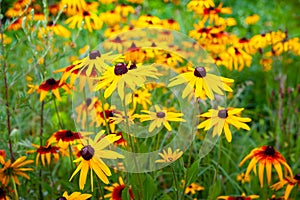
239,198
132,66
88,102
86,13
120,68
160,114
297,177
200,72
94,54
61,198
51,81
223,114
270,151
87,152
69,133
50,23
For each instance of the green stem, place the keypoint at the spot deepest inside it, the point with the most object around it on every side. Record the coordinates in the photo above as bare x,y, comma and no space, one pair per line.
103,112
141,191
219,159
8,123
15,188
41,144
175,182
57,114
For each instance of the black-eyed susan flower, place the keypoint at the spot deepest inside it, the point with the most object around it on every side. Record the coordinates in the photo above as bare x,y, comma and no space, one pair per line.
236,58
11,171
116,190
111,18
290,183
193,188
242,197
148,20
91,154
86,110
169,156
57,29
5,39
124,75
4,191
141,97
221,118
108,1
94,61
63,138
200,4
124,10
203,82
90,19
73,7
160,117
52,85
242,178
171,24
252,19
45,153
266,156
74,196
103,116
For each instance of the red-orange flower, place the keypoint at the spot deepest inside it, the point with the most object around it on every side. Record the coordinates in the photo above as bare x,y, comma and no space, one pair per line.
52,85
266,156
290,182
45,153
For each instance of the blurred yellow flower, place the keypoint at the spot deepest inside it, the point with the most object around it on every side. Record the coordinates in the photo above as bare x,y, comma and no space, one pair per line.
74,196
169,156
252,19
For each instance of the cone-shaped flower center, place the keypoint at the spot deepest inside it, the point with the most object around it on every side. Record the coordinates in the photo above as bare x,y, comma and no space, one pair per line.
69,133
270,151
87,152
160,114
120,68
50,81
223,114
200,72
297,177
61,198
94,54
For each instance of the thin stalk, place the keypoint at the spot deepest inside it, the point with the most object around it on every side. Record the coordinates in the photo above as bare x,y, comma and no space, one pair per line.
219,160
104,115
41,144
140,194
8,123
100,189
15,188
57,114
175,182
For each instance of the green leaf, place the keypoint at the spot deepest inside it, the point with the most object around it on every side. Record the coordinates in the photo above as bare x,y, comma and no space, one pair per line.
192,172
214,190
165,197
125,193
149,188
